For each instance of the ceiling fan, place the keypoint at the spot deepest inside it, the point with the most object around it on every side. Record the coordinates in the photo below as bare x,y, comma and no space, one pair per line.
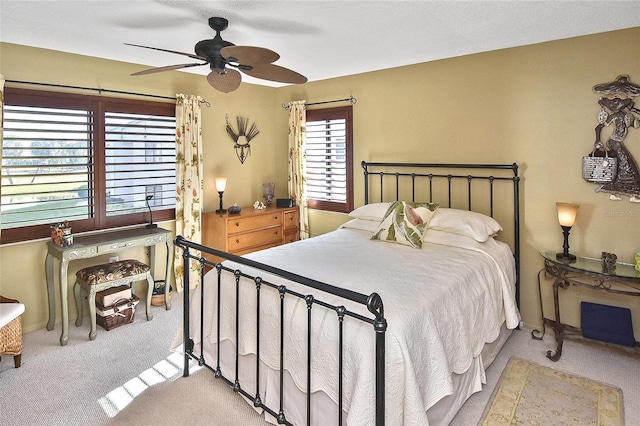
223,56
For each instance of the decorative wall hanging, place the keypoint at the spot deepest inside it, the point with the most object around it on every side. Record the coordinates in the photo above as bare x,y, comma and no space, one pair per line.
611,163
243,137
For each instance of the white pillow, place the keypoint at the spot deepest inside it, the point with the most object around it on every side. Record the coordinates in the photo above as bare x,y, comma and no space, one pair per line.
373,211
362,225
464,222
405,223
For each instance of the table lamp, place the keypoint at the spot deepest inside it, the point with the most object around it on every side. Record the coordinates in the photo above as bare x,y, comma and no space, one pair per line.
150,225
566,217
221,185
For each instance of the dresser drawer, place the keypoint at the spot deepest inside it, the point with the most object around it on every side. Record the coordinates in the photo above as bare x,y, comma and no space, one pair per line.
244,224
290,220
252,249
291,236
252,239
110,247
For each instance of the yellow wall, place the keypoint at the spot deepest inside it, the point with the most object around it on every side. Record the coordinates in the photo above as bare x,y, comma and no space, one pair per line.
533,105
22,265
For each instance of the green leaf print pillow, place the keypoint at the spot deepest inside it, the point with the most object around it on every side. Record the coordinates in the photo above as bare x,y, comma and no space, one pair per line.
405,223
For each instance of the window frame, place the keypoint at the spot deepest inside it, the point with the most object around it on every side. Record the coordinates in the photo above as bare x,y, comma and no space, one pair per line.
98,104
346,113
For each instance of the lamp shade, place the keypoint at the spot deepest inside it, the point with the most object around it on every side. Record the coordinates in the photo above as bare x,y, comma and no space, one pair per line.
221,184
567,213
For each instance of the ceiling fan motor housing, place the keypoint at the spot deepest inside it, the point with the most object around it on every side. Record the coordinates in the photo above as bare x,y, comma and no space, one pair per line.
210,49
218,24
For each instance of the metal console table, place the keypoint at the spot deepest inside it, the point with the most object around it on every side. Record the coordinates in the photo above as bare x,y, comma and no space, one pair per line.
585,272
95,245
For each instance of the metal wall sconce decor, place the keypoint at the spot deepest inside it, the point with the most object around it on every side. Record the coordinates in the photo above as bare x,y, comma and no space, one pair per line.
242,137
611,164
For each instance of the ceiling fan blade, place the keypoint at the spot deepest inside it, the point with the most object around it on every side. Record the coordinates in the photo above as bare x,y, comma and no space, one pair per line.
225,82
276,73
191,55
167,68
249,55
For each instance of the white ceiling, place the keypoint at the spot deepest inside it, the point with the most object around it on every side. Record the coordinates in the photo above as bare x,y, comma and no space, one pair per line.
319,39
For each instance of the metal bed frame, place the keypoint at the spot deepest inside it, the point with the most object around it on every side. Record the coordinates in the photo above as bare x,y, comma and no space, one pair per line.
372,302
417,181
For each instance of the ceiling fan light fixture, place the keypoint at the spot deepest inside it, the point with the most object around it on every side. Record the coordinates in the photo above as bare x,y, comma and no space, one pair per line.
218,65
226,81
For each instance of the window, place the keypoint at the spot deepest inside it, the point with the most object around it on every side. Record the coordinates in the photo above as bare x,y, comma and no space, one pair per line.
329,159
90,160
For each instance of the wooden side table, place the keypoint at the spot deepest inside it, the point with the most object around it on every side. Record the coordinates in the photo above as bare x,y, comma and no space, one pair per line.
92,245
584,272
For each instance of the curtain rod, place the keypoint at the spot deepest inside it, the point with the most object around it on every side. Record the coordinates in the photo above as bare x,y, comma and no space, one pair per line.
99,90
350,99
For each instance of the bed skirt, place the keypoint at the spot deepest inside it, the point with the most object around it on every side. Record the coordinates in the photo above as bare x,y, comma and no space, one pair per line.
324,410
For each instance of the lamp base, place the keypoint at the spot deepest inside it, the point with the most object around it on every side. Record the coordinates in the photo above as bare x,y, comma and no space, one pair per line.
151,225
566,257
221,211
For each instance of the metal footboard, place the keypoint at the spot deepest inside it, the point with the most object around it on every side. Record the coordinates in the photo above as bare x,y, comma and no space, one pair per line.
313,299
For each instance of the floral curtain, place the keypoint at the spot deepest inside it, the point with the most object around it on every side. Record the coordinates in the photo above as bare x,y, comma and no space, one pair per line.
297,190
189,183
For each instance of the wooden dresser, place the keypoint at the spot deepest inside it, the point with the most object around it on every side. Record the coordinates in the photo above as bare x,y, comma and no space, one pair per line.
250,230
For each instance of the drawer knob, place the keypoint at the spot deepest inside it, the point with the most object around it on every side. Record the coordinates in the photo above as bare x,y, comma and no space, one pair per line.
237,241
237,223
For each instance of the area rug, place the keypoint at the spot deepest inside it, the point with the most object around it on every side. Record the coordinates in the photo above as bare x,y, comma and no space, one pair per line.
530,394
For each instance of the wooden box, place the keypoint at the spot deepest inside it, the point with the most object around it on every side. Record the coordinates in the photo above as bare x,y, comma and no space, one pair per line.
111,295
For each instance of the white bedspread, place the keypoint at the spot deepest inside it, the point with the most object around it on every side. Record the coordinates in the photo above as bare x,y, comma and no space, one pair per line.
442,303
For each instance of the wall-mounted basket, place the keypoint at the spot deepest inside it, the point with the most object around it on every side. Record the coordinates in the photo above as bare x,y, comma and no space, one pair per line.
599,169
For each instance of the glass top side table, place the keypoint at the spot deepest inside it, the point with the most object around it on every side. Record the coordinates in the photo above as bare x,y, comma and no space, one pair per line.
622,278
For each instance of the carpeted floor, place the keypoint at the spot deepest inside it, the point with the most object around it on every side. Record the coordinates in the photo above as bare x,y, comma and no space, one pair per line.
69,385
529,393
170,403
129,376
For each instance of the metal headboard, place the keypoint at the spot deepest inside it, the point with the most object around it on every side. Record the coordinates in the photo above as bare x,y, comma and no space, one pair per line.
425,175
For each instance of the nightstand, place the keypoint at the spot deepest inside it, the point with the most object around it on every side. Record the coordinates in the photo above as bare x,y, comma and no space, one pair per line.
584,272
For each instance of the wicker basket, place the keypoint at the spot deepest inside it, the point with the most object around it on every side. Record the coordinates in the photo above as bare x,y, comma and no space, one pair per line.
124,312
11,341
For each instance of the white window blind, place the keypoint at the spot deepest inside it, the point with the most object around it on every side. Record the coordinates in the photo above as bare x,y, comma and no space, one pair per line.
140,161
326,160
46,164
92,161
